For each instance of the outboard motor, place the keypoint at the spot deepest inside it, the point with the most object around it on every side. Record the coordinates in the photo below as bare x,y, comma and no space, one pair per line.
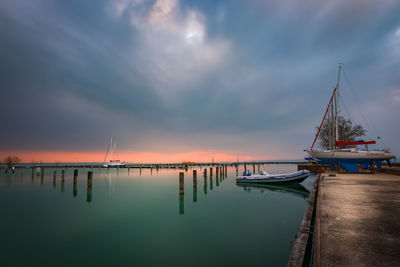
247,173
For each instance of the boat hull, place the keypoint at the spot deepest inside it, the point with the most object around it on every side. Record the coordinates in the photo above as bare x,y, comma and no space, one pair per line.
350,159
295,177
351,156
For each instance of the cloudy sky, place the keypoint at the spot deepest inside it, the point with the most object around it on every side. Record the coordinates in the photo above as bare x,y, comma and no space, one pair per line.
173,80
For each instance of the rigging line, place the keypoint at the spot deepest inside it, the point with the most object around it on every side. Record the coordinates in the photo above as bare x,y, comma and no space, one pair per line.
350,117
370,126
360,103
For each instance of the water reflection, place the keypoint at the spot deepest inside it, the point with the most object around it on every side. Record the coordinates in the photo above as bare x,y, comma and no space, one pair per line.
89,194
195,194
181,204
295,189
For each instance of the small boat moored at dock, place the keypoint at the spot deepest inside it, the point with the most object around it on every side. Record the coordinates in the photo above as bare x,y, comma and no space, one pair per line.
265,178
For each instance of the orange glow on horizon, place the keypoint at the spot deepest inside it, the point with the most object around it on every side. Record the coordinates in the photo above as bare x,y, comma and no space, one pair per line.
128,156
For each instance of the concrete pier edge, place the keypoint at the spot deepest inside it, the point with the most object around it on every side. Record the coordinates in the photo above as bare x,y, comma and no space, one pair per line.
298,255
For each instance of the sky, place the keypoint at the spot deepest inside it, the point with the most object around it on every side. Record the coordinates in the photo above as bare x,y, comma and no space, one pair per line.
174,80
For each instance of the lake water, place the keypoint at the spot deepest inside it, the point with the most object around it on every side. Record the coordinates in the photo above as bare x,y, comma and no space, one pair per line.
138,219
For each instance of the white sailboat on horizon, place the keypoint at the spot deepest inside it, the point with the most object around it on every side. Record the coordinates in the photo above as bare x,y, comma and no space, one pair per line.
109,162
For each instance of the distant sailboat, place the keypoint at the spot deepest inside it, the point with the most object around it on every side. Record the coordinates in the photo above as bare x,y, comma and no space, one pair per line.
338,156
109,162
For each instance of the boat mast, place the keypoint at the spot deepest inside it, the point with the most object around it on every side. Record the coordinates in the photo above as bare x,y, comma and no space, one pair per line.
336,120
112,150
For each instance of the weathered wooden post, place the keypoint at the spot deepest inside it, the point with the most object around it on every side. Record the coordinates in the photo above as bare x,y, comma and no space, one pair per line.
258,168
216,180
140,171
245,167
181,193
194,178
89,186
75,176
181,183
205,181
62,180
211,183
211,172
254,169
89,179
222,171
216,172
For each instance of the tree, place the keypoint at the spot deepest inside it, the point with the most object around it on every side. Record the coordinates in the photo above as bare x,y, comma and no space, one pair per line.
11,161
347,131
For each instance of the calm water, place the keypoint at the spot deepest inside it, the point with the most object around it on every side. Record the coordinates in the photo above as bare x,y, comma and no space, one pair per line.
135,219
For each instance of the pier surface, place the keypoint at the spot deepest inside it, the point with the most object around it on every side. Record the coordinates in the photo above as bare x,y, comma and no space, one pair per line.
358,220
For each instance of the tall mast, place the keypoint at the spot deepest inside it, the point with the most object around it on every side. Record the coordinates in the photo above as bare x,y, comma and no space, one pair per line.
112,150
336,106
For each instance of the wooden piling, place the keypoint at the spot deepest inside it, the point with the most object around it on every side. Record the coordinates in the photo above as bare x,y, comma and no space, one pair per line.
205,185
181,183
89,179
226,171
89,186
75,176
211,172
194,178
216,172
62,180
254,169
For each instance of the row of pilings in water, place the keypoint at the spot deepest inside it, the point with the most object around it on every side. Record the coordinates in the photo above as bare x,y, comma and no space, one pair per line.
221,172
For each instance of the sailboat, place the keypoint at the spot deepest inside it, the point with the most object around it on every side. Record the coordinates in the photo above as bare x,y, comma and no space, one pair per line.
338,156
109,162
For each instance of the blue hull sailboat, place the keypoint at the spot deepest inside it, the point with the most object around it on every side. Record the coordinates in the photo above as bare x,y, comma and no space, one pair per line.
338,156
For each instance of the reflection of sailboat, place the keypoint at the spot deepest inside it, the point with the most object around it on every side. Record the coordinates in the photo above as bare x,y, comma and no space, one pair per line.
295,189
109,162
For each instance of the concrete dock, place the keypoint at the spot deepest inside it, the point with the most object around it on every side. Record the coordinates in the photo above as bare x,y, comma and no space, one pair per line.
358,220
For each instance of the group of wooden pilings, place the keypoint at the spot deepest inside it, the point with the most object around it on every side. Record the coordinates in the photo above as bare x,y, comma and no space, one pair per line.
221,172
41,171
